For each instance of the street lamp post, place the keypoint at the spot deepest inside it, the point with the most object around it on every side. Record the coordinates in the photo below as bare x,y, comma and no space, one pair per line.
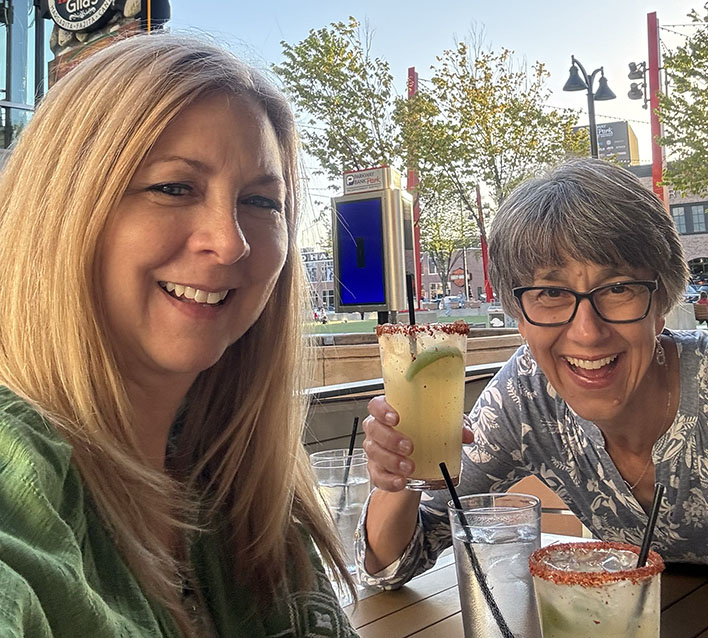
577,83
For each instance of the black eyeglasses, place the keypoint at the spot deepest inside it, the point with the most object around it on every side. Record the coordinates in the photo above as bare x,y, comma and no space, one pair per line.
619,302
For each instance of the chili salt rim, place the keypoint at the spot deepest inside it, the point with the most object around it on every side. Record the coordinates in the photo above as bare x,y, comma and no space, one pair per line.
540,569
458,327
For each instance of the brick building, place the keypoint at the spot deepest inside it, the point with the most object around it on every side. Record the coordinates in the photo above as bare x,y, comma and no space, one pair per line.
319,269
691,218
432,286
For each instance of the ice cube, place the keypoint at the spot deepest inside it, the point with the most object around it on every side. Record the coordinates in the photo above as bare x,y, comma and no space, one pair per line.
612,563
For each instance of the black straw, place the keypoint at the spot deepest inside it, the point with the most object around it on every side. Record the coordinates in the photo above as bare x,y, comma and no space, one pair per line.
352,438
411,304
481,578
649,531
347,467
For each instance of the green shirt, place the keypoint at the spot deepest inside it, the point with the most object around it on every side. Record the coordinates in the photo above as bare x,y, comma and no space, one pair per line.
61,575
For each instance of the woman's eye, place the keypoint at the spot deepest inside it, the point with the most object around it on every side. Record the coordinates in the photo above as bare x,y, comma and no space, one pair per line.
172,189
619,290
262,202
553,293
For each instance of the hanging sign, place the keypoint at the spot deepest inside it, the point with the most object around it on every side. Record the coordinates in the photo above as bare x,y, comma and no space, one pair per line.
81,15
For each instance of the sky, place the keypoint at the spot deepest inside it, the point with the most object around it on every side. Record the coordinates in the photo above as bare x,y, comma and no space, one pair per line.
600,33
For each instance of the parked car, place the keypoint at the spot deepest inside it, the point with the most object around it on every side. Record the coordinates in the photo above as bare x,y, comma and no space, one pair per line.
691,294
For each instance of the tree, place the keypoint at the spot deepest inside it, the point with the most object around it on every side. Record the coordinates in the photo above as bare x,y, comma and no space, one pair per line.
476,121
684,111
481,121
444,229
345,96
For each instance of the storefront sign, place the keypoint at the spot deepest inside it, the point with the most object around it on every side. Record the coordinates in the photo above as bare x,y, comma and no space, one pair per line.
371,179
457,277
81,15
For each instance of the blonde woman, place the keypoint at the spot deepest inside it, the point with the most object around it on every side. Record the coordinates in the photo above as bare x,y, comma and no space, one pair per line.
152,477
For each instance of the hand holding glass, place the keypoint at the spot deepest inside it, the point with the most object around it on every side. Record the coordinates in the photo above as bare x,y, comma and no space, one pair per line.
423,368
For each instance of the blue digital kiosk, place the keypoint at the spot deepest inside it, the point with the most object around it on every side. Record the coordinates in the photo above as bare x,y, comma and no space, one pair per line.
372,229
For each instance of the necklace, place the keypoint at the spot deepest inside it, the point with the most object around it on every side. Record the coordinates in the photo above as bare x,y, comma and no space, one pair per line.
661,424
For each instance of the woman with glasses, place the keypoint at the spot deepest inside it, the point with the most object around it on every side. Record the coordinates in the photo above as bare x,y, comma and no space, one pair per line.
600,402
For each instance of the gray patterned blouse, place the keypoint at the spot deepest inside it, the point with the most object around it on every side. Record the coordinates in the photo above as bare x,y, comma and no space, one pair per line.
522,427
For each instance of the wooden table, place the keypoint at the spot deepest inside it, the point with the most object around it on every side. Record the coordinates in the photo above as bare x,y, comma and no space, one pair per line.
429,606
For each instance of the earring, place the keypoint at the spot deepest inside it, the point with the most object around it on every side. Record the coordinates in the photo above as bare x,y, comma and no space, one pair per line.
526,356
659,352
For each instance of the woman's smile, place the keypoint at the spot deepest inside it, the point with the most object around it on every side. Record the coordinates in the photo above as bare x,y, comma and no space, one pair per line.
193,303
194,294
592,372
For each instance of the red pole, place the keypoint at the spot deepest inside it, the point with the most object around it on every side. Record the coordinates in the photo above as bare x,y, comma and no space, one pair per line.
412,186
657,152
485,253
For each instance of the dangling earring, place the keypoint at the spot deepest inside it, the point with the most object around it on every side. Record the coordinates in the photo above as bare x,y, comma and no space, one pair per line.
526,356
659,352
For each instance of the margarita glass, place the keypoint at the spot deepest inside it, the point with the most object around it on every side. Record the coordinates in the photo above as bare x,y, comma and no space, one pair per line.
585,590
423,368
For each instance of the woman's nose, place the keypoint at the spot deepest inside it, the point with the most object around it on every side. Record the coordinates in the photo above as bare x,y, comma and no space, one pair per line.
587,325
219,233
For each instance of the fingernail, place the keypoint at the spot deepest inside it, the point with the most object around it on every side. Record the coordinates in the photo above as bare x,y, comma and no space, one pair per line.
406,467
405,447
399,483
390,418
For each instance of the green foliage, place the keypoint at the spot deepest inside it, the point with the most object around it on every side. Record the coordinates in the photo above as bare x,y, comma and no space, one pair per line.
477,121
482,121
445,227
345,96
684,111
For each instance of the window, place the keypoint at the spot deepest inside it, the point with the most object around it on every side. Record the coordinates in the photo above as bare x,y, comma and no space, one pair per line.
698,215
19,43
328,298
432,270
690,218
311,272
436,291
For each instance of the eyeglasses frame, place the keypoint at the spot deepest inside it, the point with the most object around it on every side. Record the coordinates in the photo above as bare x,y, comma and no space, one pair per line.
651,284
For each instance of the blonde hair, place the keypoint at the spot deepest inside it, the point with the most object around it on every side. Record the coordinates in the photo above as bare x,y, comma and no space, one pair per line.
241,435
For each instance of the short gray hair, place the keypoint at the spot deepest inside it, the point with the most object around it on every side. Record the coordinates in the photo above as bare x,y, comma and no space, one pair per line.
590,211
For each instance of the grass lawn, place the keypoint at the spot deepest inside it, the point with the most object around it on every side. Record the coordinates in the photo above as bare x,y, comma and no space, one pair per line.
339,327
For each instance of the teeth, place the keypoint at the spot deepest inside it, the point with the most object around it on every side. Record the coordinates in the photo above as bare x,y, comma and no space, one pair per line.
199,296
586,364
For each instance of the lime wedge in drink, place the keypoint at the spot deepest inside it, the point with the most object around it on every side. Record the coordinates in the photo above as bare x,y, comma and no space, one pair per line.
425,358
